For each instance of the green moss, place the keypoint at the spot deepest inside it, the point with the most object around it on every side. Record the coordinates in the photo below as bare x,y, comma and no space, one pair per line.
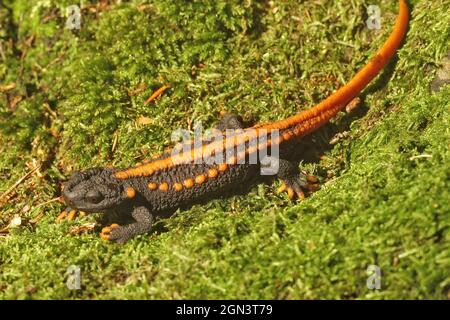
387,204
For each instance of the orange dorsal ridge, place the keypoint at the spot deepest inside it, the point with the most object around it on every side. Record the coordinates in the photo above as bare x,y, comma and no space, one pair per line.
301,123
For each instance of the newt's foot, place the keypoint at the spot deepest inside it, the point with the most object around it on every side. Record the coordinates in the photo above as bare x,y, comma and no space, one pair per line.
68,214
107,232
296,187
119,234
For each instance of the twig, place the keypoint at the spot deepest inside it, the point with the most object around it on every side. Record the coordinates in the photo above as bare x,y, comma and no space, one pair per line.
421,156
46,202
156,94
7,87
4,194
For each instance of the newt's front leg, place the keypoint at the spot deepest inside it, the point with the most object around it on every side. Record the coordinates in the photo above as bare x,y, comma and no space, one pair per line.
121,234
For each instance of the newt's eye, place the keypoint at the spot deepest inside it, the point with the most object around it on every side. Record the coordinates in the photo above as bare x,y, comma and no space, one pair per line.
94,196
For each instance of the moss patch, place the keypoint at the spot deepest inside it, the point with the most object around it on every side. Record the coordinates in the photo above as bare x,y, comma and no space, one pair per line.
71,100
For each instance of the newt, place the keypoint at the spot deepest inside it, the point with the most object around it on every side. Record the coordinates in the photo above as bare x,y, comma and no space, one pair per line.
216,166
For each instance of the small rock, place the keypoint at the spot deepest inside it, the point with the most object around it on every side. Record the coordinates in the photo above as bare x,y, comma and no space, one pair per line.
442,75
16,221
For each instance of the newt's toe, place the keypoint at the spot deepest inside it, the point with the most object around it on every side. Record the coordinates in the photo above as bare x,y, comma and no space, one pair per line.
282,188
290,193
300,194
61,217
105,234
299,186
68,215
71,215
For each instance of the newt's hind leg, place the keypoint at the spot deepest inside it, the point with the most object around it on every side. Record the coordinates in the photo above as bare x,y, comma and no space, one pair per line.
295,183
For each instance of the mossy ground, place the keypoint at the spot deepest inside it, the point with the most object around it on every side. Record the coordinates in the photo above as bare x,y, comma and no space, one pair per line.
385,198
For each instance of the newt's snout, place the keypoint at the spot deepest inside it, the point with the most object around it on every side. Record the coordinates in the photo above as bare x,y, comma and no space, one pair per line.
71,197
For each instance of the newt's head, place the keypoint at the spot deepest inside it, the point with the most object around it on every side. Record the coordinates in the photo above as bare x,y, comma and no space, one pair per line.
93,190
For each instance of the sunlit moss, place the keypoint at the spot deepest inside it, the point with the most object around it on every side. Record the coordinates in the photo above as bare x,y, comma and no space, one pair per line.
387,203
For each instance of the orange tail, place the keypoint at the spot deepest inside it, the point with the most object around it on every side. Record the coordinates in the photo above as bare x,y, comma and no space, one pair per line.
309,120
